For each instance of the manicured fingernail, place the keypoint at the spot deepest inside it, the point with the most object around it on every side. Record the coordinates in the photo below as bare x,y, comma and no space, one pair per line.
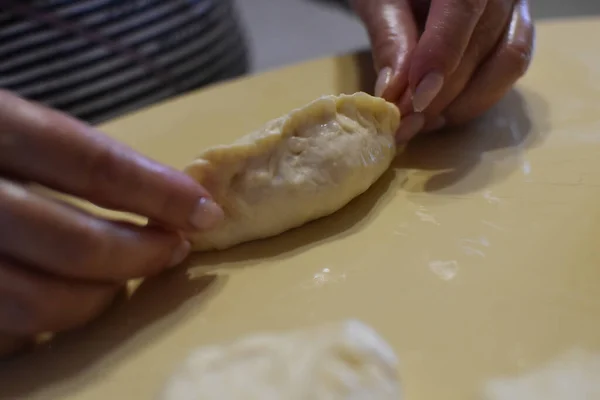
435,124
180,254
383,81
428,88
207,214
409,127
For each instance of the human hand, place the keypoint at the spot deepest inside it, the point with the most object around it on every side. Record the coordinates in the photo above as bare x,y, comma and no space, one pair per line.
445,62
59,266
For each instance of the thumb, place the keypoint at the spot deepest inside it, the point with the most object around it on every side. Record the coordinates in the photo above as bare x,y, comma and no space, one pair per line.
393,33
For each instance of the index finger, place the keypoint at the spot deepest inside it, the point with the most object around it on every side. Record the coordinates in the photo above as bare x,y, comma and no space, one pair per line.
393,35
448,30
55,150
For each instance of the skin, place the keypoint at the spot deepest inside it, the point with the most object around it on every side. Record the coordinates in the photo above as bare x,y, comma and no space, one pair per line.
442,61
446,62
59,266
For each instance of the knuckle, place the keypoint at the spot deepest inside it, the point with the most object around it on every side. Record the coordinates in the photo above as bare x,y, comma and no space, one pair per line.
107,172
102,169
117,178
447,55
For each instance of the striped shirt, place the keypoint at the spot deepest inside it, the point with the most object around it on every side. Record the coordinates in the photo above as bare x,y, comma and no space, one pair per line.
97,59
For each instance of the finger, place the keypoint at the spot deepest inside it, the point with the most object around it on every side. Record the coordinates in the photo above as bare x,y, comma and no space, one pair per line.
9,344
32,303
60,152
503,68
409,127
68,242
486,36
393,34
447,33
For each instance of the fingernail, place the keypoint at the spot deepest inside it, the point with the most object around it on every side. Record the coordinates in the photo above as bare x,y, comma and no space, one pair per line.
207,214
409,127
435,124
383,81
428,88
180,254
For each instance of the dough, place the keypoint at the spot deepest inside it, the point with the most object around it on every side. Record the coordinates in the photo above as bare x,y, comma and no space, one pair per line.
341,361
574,375
297,168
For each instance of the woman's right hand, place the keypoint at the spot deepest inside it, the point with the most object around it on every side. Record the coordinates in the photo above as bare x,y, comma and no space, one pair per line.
446,62
59,266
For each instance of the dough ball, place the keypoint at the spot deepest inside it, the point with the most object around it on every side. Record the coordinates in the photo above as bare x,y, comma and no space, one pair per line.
342,361
297,168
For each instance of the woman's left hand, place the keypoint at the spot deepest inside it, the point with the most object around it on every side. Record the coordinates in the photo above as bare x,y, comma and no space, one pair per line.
445,62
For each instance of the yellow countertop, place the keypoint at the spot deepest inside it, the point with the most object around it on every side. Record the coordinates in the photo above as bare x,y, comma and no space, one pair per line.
477,256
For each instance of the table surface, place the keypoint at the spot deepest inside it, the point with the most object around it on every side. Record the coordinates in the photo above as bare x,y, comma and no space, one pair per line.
474,256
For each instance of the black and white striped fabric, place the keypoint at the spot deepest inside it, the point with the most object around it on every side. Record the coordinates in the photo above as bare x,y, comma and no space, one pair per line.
97,59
